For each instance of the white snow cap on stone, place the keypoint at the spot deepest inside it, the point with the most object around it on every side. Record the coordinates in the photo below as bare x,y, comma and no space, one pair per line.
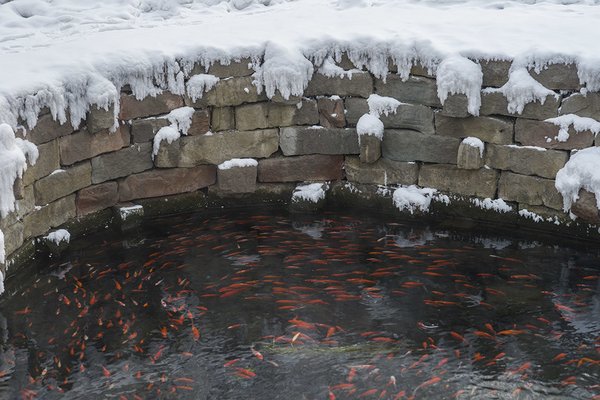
369,124
413,198
58,236
582,171
474,142
382,105
312,192
497,205
198,84
181,121
579,124
459,75
238,163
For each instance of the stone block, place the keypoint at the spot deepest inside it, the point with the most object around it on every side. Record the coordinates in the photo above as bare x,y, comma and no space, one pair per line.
237,179
13,238
27,203
308,140
467,182
273,115
218,147
456,105
469,157
558,77
96,198
370,148
48,129
99,119
419,70
83,145
290,101
405,145
410,116
381,172
494,103
62,183
165,182
143,130
47,162
488,129
526,160
544,134
331,112
355,108
131,160
229,92
238,68
222,119
314,167
360,84
132,108
529,190
129,216
200,123
583,105
586,207
415,90
495,72
50,216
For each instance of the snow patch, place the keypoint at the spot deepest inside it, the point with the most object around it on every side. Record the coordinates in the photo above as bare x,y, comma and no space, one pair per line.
413,198
331,70
531,215
198,84
582,171
459,75
2,250
382,105
474,142
181,121
238,163
579,124
369,124
497,205
58,236
312,192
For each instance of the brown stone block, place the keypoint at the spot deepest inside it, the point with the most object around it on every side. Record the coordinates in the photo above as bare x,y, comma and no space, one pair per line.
96,198
303,168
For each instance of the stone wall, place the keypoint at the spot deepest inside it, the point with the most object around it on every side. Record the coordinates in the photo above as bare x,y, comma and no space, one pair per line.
313,138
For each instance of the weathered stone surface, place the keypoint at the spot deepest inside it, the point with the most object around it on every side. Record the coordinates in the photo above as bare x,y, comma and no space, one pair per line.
48,129
49,216
216,148
96,198
273,115
47,162
488,129
200,123
382,172
165,182
450,178
419,70
143,130
456,106
558,77
495,72
405,145
164,103
370,148
307,140
529,190
469,157
314,167
99,119
584,106
235,68
410,116
129,216
586,207
331,112
222,119
27,203
62,183
290,101
416,90
83,145
13,238
355,108
361,85
526,160
237,179
229,92
131,160
496,103
544,134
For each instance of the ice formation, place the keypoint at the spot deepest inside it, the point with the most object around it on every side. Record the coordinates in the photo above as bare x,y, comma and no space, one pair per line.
198,84
382,105
582,171
312,192
459,75
497,205
238,163
413,198
579,124
59,236
181,121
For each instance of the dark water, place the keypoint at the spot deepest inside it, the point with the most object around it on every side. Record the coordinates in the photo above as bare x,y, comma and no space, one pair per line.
257,306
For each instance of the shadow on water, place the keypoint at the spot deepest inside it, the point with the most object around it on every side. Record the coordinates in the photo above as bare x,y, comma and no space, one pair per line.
246,305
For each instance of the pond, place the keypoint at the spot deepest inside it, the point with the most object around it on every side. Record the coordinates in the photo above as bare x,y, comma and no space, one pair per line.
256,305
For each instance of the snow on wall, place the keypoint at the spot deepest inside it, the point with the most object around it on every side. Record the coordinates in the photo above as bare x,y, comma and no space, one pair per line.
413,198
459,75
181,120
582,171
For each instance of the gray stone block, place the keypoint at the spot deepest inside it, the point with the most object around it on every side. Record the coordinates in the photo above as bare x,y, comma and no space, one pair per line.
450,178
143,130
355,108
529,190
48,129
583,105
405,145
47,162
62,183
526,160
237,179
410,116
469,157
381,172
416,90
315,167
99,119
222,119
84,145
558,77
586,207
229,92
306,140
13,238
164,103
495,72
131,160
370,148
543,134
234,68
96,198
359,85
488,129
273,115
456,105
50,216
496,104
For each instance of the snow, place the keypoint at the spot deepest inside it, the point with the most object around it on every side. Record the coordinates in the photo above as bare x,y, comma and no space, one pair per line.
369,124
58,236
198,84
579,124
459,75
474,142
382,105
582,171
238,163
413,198
312,192
530,215
181,120
2,249
497,205
129,211
331,70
